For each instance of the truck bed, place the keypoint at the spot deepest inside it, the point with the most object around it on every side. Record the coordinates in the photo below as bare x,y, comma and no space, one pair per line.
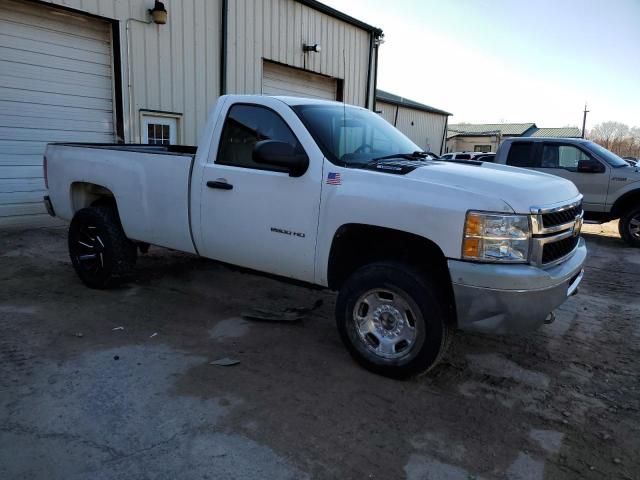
136,147
151,185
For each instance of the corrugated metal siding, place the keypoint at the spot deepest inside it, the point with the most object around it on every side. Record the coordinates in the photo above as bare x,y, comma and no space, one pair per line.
425,129
276,30
175,67
386,111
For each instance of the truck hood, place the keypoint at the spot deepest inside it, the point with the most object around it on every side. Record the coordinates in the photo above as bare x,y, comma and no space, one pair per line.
628,171
521,189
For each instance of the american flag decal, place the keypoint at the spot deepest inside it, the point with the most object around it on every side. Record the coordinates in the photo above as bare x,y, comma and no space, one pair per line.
333,178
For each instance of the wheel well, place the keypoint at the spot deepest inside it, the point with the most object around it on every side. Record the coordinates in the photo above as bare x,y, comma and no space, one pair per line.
355,245
85,194
625,202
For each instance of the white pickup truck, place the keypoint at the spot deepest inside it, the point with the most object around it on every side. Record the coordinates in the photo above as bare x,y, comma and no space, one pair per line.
333,195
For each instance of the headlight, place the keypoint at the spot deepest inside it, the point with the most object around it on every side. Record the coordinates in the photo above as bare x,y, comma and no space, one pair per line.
493,237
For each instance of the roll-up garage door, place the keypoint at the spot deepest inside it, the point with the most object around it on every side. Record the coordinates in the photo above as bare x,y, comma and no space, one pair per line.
282,80
55,86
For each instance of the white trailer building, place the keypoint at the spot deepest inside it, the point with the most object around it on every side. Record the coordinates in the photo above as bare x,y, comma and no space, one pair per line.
105,71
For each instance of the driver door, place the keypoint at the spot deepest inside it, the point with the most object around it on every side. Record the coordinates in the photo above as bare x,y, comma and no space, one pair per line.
562,160
253,215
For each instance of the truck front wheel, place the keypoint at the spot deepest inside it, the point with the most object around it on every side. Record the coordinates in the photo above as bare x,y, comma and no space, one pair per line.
629,227
101,254
391,320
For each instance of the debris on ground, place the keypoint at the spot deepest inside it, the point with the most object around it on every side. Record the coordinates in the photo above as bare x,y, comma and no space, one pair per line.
78,334
225,362
116,357
117,328
153,334
290,314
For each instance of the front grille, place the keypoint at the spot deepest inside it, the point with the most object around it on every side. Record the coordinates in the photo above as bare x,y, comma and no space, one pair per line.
555,250
559,218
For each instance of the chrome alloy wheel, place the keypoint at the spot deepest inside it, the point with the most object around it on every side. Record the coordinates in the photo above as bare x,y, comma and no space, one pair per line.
634,226
385,322
88,249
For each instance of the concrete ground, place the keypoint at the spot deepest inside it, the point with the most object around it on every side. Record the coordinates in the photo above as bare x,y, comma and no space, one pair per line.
118,384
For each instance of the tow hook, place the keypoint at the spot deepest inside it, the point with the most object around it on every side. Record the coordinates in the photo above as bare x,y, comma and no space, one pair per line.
550,318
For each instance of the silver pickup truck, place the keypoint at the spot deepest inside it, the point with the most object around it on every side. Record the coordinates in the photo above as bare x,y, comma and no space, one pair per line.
609,184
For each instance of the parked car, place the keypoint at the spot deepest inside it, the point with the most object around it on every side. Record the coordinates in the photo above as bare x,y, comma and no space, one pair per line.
610,185
485,157
462,155
631,161
333,196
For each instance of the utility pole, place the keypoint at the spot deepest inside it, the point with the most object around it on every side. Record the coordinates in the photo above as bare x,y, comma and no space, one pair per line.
584,119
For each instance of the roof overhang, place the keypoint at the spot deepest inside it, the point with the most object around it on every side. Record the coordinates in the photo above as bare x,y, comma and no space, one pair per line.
332,12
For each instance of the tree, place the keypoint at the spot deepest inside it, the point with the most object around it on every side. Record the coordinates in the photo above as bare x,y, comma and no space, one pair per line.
609,134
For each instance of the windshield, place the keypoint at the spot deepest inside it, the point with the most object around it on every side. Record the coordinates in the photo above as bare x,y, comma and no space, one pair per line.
609,157
352,136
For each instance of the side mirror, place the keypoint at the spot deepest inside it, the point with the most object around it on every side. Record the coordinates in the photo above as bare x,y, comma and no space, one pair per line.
590,166
281,154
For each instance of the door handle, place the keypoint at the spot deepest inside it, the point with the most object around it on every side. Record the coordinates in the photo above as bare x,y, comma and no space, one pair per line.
219,184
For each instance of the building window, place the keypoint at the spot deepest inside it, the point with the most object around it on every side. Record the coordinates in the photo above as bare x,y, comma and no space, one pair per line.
159,128
482,148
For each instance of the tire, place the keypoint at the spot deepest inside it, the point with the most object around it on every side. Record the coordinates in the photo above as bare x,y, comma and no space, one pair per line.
390,297
629,227
101,254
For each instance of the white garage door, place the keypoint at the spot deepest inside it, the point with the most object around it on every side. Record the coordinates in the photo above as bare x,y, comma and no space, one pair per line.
282,80
55,86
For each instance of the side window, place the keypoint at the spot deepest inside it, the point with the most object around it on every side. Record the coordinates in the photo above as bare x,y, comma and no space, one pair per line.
482,148
521,154
244,127
562,156
463,156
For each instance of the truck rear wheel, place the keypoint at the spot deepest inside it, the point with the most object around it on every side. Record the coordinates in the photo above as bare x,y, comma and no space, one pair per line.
629,227
101,254
391,320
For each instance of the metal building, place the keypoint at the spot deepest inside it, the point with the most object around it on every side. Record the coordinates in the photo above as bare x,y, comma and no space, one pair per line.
104,71
425,125
487,137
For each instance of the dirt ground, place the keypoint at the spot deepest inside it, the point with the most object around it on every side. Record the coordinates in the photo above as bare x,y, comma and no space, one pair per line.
118,384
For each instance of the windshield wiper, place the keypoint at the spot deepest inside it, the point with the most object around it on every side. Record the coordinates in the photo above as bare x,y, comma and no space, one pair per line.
408,156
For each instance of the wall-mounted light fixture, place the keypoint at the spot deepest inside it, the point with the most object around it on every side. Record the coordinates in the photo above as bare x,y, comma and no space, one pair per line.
311,48
159,13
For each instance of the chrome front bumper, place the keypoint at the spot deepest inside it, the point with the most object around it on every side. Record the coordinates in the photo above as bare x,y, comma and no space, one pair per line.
494,298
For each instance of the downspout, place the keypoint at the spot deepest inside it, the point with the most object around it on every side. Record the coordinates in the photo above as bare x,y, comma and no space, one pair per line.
223,48
132,121
376,45
444,134
395,120
367,101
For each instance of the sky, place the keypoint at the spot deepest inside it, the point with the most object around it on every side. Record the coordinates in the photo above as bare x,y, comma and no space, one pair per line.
489,61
